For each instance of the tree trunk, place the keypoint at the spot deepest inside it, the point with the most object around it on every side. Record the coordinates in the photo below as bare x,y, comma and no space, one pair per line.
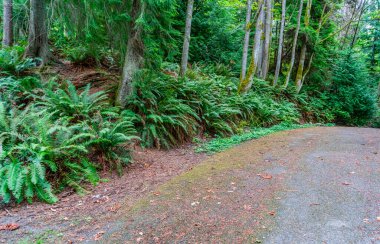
247,29
280,43
301,65
134,58
267,40
294,47
7,23
259,41
186,42
246,83
38,46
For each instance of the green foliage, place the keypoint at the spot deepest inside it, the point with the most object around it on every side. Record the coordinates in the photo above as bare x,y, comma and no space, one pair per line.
74,105
168,112
352,93
31,144
162,118
20,90
52,141
221,144
112,135
12,63
216,33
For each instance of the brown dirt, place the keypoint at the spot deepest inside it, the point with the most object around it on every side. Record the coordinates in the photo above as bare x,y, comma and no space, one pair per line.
100,79
74,214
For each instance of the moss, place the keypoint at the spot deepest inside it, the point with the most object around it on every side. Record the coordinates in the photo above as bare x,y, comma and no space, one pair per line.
221,144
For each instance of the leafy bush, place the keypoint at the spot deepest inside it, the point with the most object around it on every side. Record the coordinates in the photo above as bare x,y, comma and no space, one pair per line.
31,145
20,90
167,112
352,94
60,140
12,63
162,118
73,105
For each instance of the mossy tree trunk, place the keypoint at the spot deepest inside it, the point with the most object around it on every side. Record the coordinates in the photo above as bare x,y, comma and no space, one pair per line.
38,46
259,39
186,42
301,64
247,30
267,39
246,84
294,47
280,43
134,57
7,23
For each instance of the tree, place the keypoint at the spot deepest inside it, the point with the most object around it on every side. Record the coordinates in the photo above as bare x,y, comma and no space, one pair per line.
280,43
246,83
38,45
8,23
247,29
267,39
354,38
186,42
301,64
294,47
134,57
259,40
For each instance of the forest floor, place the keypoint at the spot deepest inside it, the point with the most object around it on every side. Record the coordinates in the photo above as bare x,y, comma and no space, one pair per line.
315,185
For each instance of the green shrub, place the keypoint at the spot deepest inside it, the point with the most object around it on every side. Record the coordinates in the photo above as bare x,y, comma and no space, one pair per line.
167,112
12,63
72,104
32,145
352,94
162,119
59,141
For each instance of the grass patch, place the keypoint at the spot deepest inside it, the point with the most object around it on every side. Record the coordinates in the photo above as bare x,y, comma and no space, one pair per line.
221,144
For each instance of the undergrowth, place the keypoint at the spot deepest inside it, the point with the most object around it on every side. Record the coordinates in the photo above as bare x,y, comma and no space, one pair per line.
53,135
221,144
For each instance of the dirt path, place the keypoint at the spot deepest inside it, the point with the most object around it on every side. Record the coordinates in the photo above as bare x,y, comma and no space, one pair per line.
318,185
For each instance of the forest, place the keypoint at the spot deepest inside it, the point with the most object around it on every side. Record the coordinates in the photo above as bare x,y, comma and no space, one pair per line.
85,81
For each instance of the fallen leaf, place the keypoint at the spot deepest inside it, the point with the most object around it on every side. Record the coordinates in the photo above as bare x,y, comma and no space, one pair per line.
272,213
9,227
98,235
265,176
115,207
